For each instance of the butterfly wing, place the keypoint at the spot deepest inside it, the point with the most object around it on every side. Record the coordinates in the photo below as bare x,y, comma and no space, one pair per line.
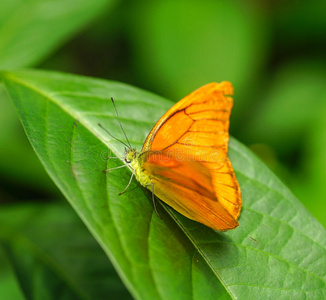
187,186
197,128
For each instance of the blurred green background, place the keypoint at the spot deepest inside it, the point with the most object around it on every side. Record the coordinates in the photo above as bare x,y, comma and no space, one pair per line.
274,53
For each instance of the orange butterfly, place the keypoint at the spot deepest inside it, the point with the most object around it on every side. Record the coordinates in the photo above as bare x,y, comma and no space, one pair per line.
184,158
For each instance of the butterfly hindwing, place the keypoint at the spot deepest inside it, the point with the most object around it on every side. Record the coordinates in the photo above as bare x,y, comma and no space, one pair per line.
186,185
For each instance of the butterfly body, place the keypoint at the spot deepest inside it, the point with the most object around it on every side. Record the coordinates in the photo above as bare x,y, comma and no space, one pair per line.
184,158
133,157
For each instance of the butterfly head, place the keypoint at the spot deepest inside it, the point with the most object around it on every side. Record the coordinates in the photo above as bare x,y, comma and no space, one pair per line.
130,155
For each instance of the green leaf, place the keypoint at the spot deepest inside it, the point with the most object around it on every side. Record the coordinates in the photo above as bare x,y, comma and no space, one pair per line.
30,30
277,252
15,145
54,256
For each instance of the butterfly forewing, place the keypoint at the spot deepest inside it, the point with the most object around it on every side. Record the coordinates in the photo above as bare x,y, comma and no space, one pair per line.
197,128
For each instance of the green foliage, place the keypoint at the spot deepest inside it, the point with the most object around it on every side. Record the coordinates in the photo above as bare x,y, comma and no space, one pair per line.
277,252
292,116
273,52
300,84
198,28
54,256
30,30
9,287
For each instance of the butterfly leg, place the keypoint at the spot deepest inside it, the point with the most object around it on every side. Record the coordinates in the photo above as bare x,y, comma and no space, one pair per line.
108,170
132,175
153,199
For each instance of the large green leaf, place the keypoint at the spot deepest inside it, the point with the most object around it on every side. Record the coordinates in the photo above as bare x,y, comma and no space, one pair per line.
277,252
54,256
30,30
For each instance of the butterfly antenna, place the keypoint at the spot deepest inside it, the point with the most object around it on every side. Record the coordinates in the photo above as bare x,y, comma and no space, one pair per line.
99,124
120,122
